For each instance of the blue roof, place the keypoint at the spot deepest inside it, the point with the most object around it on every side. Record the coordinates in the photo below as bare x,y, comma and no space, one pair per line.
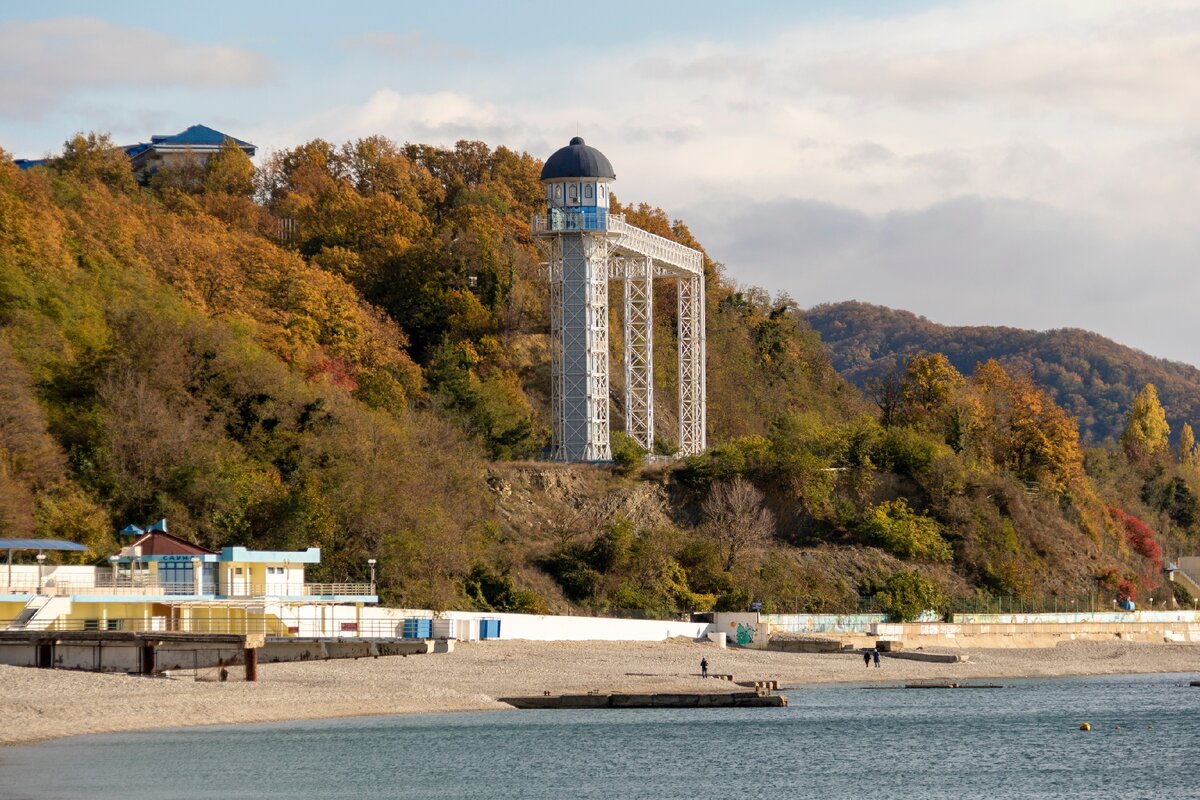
40,544
27,163
197,134
577,160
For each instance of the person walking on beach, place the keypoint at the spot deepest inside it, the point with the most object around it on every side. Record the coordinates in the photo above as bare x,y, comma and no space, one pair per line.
867,659
704,668
875,657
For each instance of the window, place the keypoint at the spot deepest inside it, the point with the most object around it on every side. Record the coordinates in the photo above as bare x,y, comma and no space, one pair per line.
558,190
587,190
574,192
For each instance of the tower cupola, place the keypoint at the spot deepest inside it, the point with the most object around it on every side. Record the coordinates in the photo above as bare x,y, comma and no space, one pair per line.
577,177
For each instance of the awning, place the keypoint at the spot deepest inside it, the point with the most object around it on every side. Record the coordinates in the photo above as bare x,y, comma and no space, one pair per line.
41,544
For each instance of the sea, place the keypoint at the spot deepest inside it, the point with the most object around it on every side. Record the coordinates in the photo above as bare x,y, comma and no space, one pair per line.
851,742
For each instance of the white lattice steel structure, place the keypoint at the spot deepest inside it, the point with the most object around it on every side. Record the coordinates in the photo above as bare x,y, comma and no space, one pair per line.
589,247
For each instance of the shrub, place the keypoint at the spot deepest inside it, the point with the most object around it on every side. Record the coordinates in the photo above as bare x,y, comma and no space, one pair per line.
898,529
628,456
1139,536
905,595
906,451
490,590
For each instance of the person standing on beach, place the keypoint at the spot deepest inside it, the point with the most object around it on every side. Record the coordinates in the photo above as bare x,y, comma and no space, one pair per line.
875,657
704,668
867,659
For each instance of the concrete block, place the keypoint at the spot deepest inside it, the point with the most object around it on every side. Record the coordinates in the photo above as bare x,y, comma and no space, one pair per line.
583,701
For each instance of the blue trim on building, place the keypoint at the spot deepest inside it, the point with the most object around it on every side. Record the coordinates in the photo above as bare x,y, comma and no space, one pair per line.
240,554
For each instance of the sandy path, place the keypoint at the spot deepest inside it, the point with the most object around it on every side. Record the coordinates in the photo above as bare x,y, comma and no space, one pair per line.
42,704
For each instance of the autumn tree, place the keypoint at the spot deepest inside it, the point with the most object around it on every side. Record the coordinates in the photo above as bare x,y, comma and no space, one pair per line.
1019,428
736,518
1187,446
1146,432
94,157
929,395
229,171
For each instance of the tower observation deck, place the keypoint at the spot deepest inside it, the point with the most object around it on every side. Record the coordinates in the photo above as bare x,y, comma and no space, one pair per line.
588,248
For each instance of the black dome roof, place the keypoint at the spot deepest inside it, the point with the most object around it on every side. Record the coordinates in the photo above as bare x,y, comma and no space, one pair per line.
577,160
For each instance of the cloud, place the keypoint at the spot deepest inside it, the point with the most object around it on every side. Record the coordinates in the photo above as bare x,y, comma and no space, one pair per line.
44,61
428,117
409,46
970,260
1146,76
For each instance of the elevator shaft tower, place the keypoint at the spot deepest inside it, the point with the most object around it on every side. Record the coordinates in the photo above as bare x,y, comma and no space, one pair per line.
588,248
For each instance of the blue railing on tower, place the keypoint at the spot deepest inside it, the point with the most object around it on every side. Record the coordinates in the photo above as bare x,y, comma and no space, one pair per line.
562,220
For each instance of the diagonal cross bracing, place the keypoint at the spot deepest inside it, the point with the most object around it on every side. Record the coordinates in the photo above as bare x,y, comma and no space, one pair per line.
639,351
579,348
584,254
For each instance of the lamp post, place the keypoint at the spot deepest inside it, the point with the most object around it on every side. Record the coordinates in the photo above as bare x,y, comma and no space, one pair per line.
371,563
41,559
113,560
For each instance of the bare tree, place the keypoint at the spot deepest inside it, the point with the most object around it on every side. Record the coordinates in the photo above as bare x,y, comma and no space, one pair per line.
737,519
887,392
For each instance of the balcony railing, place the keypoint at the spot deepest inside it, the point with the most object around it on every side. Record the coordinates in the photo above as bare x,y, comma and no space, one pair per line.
563,221
125,586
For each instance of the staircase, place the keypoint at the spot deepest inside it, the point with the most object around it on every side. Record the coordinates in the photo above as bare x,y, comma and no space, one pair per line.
1187,578
40,613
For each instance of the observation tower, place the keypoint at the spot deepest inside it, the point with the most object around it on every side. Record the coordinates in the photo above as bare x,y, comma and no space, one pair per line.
588,248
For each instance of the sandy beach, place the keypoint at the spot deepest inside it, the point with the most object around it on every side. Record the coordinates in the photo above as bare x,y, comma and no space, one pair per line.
46,704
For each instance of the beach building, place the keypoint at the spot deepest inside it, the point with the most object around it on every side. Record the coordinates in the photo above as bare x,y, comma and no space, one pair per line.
161,582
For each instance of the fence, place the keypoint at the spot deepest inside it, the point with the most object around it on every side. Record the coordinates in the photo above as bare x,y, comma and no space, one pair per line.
273,627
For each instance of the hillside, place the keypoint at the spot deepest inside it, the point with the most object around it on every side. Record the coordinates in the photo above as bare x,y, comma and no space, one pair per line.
1092,377
347,348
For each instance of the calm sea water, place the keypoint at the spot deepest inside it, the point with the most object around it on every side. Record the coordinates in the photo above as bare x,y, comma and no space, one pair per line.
1021,741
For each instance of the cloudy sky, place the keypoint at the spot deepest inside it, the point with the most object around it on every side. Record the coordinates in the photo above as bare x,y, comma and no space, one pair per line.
1033,163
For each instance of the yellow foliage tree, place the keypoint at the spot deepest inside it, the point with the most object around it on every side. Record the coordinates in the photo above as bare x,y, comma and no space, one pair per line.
1146,432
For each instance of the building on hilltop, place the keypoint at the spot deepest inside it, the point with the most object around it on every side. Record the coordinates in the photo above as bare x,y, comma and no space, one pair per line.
195,145
191,145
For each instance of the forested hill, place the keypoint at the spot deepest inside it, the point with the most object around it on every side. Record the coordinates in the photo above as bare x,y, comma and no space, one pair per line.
1092,377
347,348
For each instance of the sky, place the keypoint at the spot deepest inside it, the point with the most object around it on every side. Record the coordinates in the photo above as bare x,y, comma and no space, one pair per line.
1032,163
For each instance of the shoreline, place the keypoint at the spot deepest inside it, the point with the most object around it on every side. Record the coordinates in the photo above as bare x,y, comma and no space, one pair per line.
41,705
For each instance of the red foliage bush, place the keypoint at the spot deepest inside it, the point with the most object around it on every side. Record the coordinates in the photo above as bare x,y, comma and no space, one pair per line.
1140,536
1127,590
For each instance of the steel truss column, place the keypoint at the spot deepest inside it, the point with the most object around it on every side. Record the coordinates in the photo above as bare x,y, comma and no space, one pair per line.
557,423
579,348
692,412
639,351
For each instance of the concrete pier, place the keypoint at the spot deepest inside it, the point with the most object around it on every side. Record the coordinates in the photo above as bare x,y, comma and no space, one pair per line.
658,700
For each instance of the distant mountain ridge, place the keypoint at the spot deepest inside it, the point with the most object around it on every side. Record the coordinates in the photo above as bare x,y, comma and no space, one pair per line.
1092,377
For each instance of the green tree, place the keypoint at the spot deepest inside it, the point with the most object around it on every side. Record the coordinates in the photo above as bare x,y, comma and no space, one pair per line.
229,171
1146,432
905,595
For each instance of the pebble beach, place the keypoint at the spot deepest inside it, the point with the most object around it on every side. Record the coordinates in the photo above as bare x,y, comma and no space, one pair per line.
46,704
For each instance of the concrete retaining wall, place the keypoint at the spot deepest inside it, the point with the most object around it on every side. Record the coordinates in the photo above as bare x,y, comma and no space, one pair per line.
548,628
1034,634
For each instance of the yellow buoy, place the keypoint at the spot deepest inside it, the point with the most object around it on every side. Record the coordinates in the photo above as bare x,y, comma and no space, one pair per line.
1085,726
